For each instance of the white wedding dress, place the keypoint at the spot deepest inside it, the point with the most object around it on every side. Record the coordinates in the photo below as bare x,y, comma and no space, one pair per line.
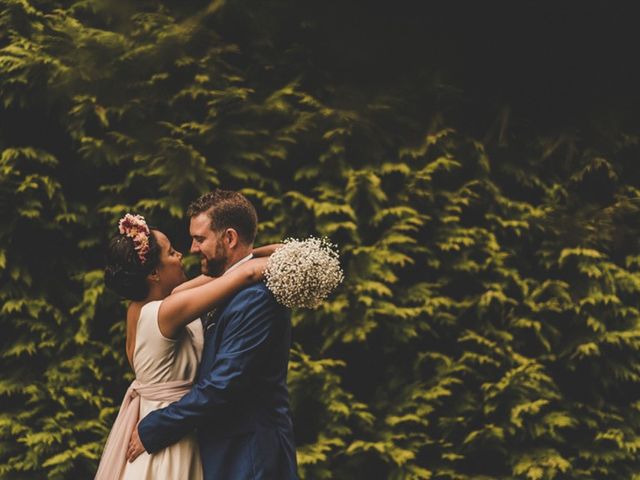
157,359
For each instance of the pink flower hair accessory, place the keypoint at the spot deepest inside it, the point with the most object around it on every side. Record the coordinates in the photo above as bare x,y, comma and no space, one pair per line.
135,226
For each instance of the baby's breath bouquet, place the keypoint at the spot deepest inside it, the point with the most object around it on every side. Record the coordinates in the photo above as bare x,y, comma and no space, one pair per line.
302,273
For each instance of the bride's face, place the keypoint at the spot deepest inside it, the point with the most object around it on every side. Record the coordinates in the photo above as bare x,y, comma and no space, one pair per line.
170,270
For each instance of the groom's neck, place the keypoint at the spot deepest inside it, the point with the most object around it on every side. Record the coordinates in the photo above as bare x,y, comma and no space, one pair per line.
238,254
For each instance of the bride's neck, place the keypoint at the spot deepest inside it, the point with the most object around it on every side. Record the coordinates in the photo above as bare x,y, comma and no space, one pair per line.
155,293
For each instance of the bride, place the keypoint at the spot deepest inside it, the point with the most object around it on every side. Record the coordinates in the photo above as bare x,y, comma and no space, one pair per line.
164,340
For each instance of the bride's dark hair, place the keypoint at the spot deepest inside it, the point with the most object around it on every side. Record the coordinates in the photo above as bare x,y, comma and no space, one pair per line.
124,273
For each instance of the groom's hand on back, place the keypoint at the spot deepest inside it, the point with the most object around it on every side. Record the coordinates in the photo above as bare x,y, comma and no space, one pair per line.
135,446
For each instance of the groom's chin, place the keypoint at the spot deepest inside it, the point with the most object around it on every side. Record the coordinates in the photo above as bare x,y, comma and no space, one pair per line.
215,268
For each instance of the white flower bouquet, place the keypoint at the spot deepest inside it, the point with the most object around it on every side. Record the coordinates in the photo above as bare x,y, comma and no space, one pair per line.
302,273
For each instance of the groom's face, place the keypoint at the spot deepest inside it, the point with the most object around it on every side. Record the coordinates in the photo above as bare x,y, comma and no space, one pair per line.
208,244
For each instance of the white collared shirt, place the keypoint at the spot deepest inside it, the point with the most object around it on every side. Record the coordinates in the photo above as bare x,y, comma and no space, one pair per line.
238,263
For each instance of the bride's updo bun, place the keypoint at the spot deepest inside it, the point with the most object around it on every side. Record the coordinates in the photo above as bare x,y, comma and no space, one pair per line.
126,272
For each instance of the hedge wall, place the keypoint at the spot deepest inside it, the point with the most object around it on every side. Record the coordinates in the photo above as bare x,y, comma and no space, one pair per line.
488,326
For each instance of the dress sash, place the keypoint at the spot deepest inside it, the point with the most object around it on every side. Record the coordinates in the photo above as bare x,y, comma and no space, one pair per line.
113,458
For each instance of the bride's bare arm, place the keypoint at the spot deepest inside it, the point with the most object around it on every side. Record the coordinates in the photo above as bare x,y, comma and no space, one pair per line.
197,281
180,308
259,252
266,250
194,282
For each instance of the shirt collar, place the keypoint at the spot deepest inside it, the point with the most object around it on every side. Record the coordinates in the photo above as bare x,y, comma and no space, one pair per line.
238,263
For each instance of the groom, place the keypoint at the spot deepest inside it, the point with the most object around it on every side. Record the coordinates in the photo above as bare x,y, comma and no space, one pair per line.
240,403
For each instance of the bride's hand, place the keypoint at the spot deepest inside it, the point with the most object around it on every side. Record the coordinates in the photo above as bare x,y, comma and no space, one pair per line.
266,250
255,268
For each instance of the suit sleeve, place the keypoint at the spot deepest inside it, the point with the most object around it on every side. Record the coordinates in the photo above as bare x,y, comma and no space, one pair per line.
251,325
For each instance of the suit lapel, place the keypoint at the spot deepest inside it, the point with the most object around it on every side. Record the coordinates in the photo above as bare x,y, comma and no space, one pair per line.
213,330
210,318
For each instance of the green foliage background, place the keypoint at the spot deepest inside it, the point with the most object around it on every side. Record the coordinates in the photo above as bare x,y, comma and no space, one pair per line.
488,326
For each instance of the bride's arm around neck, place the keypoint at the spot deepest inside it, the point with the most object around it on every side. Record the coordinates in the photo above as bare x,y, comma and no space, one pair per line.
181,308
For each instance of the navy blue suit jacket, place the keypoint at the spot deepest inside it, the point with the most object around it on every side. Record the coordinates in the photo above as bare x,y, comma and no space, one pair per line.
240,403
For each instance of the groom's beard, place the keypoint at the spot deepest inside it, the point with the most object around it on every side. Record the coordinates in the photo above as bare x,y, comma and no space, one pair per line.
216,265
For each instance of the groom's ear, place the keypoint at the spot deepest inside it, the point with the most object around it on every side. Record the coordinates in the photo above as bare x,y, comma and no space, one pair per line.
231,237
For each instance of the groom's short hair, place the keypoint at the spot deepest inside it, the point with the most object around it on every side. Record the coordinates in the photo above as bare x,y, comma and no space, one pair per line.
227,209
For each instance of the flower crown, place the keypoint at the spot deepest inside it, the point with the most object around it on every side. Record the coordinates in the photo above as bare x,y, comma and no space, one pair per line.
135,226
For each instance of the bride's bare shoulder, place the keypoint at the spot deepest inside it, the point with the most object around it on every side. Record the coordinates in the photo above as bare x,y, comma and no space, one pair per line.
133,314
